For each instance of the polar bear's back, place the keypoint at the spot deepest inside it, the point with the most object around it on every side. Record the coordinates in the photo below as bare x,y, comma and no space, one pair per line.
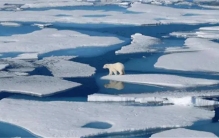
118,65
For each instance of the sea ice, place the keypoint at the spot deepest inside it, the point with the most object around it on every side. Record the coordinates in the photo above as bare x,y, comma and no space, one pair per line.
35,85
182,132
62,67
202,59
139,44
75,119
11,24
203,32
162,80
48,40
27,56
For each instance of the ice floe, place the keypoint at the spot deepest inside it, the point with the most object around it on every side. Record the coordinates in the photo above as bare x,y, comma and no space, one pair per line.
17,65
203,32
35,85
162,80
27,56
79,119
182,132
139,44
48,40
62,67
143,98
202,59
11,24
192,101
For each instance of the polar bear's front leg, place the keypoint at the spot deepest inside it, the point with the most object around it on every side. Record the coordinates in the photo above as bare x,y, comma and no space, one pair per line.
114,71
110,72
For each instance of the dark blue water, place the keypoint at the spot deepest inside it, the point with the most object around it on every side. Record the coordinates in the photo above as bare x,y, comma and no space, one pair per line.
9,130
23,29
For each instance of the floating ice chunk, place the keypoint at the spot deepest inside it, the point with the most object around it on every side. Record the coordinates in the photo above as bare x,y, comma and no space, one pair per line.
69,121
21,73
204,58
150,99
17,65
175,94
182,101
3,66
35,85
140,43
192,101
61,67
11,24
48,40
203,32
107,98
22,69
27,56
42,25
162,80
213,28
182,132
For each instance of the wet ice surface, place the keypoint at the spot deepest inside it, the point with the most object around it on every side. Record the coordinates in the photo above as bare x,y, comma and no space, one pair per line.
167,71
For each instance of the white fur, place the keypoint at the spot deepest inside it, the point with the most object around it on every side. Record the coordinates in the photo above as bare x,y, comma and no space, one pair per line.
114,68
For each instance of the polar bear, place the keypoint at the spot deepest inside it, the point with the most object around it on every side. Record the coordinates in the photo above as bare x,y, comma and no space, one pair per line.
114,68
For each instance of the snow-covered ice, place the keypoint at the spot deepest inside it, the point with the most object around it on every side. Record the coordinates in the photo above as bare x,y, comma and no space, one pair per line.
107,97
203,32
140,43
27,56
141,98
162,80
17,65
202,59
11,24
48,40
35,85
62,67
182,132
75,115
192,101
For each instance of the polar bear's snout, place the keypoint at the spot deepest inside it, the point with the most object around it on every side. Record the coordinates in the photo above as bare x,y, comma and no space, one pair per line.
114,68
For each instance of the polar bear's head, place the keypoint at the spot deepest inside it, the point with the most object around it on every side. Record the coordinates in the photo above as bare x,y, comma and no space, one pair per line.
106,66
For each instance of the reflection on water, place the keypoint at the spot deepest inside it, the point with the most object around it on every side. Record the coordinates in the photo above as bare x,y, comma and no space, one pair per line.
118,85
